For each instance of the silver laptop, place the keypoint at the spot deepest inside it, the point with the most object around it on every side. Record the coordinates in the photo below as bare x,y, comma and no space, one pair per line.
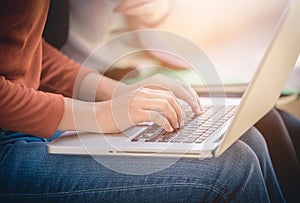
223,120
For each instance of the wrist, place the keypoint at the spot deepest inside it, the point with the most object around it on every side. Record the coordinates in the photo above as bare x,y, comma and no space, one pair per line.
78,115
106,121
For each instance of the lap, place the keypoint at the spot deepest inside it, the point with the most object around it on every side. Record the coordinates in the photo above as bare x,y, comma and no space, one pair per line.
29,172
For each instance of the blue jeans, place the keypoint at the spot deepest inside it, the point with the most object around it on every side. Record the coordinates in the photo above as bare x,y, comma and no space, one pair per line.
243,173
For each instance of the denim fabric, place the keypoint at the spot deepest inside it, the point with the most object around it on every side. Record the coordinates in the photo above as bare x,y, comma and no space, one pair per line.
7,137
243,173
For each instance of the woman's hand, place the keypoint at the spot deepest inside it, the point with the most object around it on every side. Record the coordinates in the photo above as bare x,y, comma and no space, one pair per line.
154,99
145,12
141,105
179,88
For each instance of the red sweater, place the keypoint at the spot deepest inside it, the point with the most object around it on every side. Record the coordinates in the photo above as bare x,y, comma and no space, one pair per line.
33,75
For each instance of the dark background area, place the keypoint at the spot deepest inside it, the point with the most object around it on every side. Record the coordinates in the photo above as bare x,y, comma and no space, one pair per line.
56,30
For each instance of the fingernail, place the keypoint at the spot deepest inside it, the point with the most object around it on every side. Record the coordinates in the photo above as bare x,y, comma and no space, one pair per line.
201,108
181,123
198,110
170,129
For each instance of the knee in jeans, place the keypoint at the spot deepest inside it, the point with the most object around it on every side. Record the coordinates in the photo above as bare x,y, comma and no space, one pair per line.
254,139
239,171
243,159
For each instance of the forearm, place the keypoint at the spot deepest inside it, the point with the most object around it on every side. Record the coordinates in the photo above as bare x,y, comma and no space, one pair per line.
87,116
70,121
95,87
155,99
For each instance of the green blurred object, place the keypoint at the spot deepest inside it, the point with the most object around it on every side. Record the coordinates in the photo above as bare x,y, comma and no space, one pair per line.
229,86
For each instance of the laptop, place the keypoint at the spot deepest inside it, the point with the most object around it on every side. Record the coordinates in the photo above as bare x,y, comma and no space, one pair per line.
223,121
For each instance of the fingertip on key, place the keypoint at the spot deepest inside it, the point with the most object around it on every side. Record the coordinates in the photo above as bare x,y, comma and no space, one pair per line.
198,110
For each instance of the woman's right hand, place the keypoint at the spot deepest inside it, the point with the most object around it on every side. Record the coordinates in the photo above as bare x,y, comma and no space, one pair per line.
140,105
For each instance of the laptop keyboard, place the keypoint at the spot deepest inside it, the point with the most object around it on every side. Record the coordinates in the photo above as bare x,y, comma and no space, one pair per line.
196,129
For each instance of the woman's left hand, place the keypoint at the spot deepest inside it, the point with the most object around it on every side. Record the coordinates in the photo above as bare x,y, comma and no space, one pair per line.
179,88
145,12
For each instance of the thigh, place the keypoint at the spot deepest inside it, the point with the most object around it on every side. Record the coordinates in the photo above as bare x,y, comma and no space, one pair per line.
277,136
30,174
283,154
257,143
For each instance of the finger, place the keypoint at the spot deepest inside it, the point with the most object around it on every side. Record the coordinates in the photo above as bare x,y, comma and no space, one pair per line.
195,95
159,119
169,97
126,5
190,96
140,11
179,88
151,116
160,105
177,107
186,94
164,108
